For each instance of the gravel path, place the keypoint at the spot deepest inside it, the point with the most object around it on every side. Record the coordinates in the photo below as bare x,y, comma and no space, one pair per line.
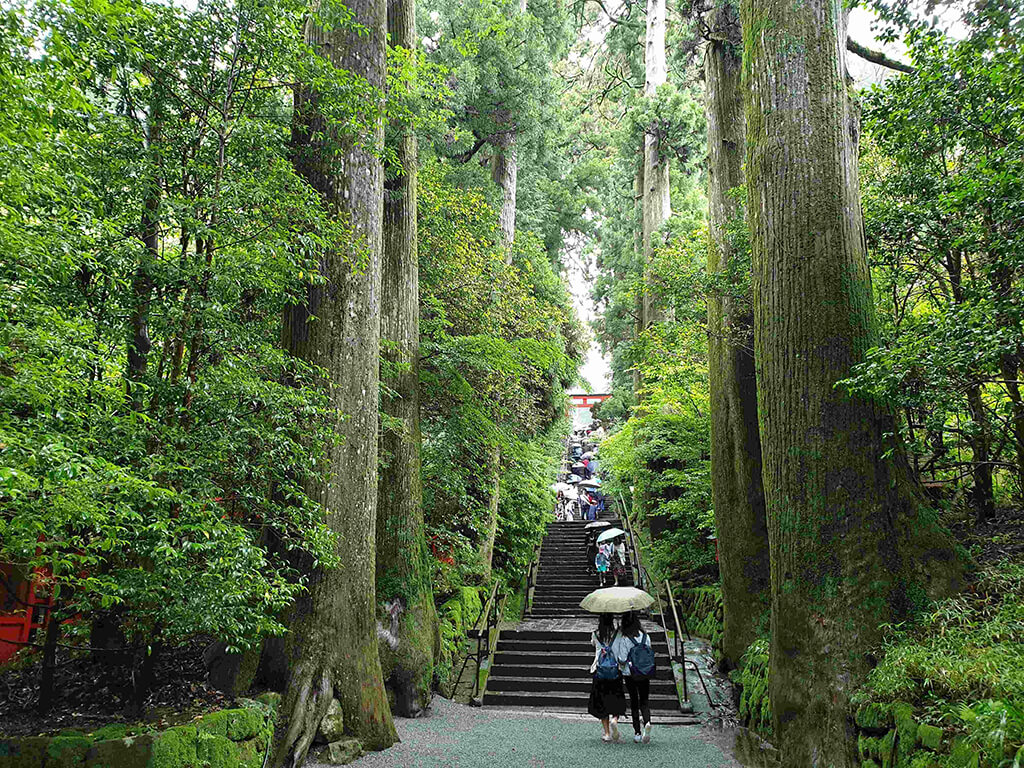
467,737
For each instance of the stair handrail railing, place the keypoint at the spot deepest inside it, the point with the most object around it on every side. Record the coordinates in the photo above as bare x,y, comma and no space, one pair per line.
531,573
482,636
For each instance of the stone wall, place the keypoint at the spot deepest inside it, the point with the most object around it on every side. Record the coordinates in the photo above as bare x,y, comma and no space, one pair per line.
230,738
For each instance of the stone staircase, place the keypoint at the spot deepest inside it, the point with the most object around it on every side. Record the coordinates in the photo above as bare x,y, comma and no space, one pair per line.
562,578
545,663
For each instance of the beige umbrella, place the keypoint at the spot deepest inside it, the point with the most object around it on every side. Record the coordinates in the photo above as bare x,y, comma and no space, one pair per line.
616,600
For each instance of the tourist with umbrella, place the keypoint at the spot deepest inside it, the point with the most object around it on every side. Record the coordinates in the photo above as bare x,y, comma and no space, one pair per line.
610,550
607,700
632,647
635,655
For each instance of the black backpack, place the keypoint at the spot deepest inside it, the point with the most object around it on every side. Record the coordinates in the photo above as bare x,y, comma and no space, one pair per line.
640,659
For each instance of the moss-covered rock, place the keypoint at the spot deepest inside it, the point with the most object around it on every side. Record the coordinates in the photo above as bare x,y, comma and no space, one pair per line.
906,730
28,752
874,718
216,751
112,731
341,752
251,752
176,748
868,747
67,749
129,752
869,764
929,736
923,760
963,755
332,726
887,749
471,605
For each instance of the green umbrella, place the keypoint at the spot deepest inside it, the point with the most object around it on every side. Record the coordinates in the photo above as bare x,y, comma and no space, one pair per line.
611,533
616,600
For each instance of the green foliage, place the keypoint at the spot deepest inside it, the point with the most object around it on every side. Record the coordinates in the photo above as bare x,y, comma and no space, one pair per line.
962,662
153,436
663,451
943,178
752,675
500,344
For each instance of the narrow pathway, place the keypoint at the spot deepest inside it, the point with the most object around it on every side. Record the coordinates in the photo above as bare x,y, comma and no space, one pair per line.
453,735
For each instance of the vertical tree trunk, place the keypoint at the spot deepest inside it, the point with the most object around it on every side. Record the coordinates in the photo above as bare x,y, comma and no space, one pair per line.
142,282
982,494
849,549
657,204
735,442
493,480
331,648
403,581
640,324
505,171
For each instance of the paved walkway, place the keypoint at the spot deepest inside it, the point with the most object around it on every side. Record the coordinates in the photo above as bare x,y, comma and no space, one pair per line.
466,737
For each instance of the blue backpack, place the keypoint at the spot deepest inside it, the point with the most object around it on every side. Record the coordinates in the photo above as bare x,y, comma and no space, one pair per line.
607,666
640,659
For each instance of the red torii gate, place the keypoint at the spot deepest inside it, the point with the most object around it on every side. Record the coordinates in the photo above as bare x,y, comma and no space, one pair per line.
585,400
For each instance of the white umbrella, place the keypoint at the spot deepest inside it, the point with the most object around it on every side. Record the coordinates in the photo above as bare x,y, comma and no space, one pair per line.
572,494
591,483
587,455
561,487
611,533
616,600
598,524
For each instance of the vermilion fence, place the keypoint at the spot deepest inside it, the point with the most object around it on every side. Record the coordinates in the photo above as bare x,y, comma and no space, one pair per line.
24,607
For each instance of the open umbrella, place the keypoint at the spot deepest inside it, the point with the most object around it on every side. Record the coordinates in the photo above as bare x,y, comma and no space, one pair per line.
611,533
591,483
616,600
587,455
561,487
598,524
573,479
572,494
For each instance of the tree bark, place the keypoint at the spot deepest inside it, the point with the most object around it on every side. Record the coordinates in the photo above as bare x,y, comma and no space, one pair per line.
494,497
331,647
403,581
850,547
140,343
639,324
505,173
657,204
735,442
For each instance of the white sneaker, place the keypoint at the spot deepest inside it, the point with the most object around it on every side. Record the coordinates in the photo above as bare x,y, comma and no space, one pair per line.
615,731
636,738
605,737
647,733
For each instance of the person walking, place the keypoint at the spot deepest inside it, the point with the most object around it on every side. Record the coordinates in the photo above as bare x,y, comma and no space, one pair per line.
603,561
607,701
633,651
619,560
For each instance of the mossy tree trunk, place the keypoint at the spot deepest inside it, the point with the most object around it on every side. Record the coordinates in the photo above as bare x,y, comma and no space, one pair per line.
403,580
735,442
657,204
331,647
851,549
493,480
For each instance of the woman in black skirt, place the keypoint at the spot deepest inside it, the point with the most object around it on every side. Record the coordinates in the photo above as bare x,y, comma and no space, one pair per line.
607,699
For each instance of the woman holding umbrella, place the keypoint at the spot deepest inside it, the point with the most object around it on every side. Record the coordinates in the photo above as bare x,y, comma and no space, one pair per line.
633,651
607,700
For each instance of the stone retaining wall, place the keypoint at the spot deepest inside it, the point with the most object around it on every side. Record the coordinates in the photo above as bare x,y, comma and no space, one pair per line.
230,738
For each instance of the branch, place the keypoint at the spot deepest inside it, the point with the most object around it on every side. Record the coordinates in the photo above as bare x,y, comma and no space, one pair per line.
877,57
465,157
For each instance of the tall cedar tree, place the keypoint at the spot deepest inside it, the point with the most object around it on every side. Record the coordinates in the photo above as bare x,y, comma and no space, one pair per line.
851,546
657,204
403,581
331,649
735,442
